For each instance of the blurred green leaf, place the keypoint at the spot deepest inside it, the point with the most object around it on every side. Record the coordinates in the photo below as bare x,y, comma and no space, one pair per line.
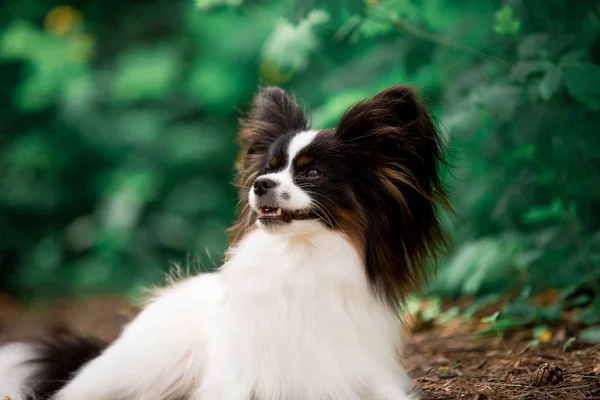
550,83
524,70
531,46
492,318
432,311
19,40
206,5
480,264
215,85
582,80
550,313
589,316
144,75
555,210
505,22
568,344
290,46
590,335
499,326
539,330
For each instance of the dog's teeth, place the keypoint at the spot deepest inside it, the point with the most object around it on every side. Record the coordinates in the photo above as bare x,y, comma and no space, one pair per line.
279,211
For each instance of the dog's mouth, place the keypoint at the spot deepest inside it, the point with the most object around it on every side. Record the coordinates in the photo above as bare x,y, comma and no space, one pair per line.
271,214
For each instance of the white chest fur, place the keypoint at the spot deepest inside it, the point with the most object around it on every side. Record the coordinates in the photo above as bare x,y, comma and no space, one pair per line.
298,321
287,318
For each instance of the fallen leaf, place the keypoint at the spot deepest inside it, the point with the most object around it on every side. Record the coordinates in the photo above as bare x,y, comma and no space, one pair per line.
546,298
545,336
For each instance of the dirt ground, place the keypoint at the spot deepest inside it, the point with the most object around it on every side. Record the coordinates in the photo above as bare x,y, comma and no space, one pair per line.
451,363
447,361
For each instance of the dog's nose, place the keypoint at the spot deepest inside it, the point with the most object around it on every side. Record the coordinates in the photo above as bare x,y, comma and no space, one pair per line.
263,185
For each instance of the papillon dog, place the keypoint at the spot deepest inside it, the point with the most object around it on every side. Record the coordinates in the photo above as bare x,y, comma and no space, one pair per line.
338,227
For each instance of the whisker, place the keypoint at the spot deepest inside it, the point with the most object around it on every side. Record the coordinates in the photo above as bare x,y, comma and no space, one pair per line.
321,207
240,199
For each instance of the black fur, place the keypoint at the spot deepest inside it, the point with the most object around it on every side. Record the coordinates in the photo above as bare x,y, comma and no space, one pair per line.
380,180
57,360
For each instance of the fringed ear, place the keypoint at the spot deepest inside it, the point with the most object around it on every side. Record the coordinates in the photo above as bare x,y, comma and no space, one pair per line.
273,114
393,137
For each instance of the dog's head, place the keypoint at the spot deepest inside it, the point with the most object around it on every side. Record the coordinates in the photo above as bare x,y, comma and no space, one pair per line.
375,177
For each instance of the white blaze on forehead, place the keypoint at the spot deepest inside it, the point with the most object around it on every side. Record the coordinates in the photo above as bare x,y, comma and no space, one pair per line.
299,142
295,198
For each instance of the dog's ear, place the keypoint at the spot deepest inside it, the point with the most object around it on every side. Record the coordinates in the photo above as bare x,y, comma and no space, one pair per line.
392,135
273,114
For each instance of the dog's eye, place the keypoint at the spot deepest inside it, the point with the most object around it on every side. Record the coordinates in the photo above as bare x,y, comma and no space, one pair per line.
313,173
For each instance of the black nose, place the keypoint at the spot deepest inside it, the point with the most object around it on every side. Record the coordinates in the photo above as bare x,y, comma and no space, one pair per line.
263,185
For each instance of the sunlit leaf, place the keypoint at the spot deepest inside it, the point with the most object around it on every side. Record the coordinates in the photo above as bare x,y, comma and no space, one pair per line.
505,22
543,334
568,344
206,5
19,40
491,318
62,19
290,46
432,310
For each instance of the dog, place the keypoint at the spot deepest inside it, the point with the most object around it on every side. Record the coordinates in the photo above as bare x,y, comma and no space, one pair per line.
338,227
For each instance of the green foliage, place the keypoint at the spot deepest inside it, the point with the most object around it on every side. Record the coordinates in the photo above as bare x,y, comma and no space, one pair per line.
506,23
289,47
118,134
206,5
568,343
590,335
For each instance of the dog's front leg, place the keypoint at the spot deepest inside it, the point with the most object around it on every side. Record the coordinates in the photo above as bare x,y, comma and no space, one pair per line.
159,355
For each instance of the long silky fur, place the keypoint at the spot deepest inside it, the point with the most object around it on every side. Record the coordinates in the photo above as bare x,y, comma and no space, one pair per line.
273,114
392,135
398,155
57,360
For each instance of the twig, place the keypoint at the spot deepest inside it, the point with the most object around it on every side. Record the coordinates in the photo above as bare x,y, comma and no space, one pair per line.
421,34
425,376
481,364
449,383
549,356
